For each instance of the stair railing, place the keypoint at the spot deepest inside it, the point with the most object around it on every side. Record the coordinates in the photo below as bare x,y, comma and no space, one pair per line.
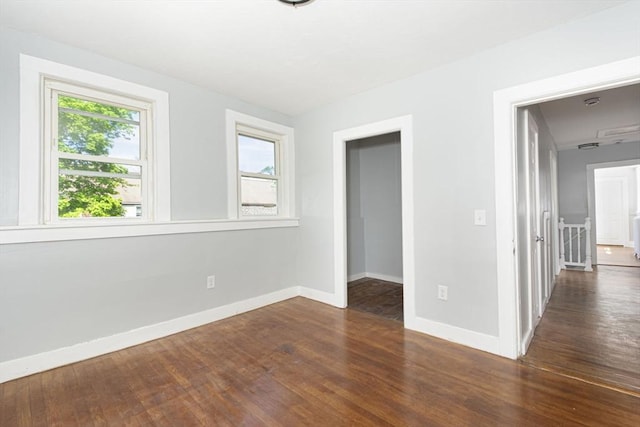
573,238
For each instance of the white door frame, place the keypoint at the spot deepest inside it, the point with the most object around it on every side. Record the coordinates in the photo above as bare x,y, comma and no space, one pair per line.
404,125
591,197
505,103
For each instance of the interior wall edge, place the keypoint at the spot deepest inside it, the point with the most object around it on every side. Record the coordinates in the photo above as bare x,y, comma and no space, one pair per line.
24,366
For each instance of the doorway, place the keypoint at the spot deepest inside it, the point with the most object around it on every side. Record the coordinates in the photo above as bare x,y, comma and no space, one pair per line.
403,127
614,190
506,102
374,225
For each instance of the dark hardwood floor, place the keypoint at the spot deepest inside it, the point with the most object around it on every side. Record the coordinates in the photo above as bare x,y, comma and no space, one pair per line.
376,296
300,362
591,328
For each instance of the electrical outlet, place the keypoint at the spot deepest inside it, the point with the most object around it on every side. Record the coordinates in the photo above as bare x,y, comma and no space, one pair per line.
443,292
211,282
480,217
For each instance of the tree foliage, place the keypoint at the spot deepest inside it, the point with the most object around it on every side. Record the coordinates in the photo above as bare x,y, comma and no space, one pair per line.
268,170
94,135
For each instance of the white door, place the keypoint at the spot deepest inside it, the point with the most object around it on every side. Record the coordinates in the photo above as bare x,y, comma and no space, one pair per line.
610,211
534,220
547,278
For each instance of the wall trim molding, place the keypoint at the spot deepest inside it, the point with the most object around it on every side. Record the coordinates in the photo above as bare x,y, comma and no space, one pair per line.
356,276
24,366
377,276
404,124
505,104
316,295
466,337
40,362
56,233
591,200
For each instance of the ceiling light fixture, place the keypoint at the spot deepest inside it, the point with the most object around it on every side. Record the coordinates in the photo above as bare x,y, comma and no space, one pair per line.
294,3
590,102
588,146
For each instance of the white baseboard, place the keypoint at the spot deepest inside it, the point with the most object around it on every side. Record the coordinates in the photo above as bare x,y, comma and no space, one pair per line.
630,244
526,341
376,276
28,365
24,366
356,276
473,339
316,295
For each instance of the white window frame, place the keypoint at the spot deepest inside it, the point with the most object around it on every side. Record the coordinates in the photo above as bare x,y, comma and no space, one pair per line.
284,139
35,190
54,88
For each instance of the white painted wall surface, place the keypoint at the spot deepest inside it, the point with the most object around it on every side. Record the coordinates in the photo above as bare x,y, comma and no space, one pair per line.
374,209
572,175
59,294
452,108
356,250
62,293
197,123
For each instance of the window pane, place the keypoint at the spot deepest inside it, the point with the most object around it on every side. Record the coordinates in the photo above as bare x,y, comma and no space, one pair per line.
84,165
256,155
86,128
90,196
259,196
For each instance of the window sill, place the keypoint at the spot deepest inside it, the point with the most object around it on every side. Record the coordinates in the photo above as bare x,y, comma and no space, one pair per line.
54,233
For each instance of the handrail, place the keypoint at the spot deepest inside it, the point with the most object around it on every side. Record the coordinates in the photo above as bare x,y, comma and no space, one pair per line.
575,261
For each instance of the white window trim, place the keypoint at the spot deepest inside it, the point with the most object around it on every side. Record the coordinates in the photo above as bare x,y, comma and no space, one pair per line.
63,232
286,208
52,89
32,73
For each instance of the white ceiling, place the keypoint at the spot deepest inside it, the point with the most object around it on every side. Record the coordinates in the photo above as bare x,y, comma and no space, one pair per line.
572,123
285,58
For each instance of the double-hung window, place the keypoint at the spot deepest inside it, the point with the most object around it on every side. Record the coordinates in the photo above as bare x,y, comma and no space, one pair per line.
260,167
96,154
259,172
94,150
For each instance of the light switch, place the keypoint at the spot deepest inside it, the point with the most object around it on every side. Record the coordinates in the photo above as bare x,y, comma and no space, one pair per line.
480,217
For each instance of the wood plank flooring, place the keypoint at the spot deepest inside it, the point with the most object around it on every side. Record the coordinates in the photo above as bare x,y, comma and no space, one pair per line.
299,363
617,255
591,328
376,296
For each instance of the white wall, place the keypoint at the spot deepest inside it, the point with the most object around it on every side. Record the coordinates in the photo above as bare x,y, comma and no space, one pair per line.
59,294
374,207
452,108
572,175
197,122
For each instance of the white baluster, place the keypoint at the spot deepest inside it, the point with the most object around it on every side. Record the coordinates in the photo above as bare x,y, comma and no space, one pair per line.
579,236
561,227
571,245
587,262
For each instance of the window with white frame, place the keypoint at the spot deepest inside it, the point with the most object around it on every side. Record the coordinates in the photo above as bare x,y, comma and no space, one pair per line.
259,172
96,154
93,149
261,167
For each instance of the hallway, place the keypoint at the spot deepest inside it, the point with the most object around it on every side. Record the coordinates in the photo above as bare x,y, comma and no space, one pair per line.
591,328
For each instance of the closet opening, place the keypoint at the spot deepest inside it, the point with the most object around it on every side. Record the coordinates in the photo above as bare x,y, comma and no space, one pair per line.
374,225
